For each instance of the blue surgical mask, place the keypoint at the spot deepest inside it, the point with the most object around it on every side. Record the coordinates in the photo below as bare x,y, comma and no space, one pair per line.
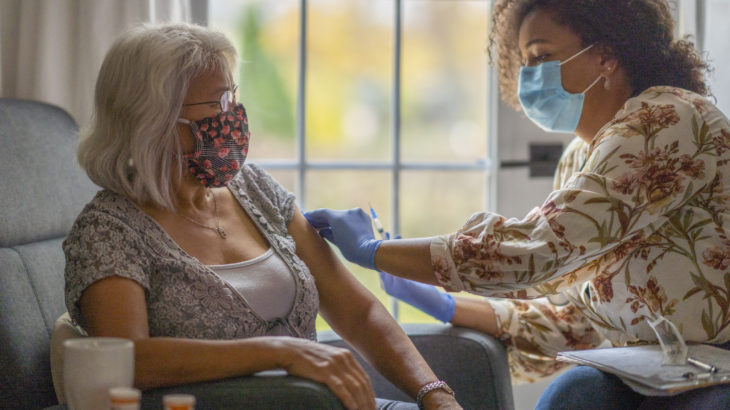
545,101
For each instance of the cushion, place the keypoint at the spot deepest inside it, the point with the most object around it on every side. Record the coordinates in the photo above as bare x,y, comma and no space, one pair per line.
63,330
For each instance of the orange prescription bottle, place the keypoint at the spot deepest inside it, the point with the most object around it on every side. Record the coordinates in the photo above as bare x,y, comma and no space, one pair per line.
178,402
124,398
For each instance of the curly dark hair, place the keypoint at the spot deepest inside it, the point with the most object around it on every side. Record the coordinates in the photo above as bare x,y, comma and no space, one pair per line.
638,33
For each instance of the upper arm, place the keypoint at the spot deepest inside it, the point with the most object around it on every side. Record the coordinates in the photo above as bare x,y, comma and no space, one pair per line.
100,251
115,307
342,297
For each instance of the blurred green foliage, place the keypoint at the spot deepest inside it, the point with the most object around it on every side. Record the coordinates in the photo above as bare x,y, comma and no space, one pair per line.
262,88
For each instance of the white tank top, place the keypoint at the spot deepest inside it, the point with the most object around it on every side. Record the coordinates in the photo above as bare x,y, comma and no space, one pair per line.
267,285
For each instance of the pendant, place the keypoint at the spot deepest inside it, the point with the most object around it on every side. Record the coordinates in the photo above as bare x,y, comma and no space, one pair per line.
221,232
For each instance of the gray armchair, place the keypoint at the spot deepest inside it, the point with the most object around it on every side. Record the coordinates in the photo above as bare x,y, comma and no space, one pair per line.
43,190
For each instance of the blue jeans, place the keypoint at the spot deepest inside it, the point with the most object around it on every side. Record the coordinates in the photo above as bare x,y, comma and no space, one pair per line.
584,387
385,404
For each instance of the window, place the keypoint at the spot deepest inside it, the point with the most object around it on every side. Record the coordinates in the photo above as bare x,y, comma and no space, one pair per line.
705,24
716,31
369,102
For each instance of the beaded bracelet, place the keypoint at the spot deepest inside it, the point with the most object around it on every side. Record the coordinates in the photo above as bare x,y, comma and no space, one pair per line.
428,388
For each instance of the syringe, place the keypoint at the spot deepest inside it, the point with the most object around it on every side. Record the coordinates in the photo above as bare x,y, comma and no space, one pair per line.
378,225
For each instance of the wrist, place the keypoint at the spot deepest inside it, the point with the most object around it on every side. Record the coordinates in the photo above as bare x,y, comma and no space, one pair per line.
367,251
281,351
449,308
430,389
439,399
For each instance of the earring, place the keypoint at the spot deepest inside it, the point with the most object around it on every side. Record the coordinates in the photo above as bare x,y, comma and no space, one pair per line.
607,84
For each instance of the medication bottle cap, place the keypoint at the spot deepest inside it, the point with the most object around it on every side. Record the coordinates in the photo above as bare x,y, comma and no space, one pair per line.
178,401
124,394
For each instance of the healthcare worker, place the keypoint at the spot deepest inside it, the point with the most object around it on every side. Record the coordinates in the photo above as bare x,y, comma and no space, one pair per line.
637,228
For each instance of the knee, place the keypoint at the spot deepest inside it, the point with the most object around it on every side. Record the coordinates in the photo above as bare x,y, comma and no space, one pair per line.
715,397
587,388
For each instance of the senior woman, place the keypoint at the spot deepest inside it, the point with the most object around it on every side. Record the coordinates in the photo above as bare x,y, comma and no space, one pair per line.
204,261
636,228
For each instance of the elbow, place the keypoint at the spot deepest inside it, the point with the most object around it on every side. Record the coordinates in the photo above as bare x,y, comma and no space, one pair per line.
143,374
147,366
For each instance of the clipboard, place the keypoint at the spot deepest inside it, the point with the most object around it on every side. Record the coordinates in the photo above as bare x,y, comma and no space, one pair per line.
642,367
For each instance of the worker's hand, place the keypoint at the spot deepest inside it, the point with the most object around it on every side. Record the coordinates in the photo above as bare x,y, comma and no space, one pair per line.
420,295
350,230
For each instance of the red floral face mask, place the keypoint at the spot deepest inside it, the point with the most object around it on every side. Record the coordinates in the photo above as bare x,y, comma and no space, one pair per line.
221,146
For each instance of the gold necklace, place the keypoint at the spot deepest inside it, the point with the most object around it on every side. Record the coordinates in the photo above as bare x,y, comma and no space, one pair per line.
217,228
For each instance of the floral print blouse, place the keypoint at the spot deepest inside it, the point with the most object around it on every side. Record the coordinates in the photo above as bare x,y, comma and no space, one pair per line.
185,298
636,228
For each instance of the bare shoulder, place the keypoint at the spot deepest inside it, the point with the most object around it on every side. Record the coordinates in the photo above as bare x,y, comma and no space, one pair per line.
309,243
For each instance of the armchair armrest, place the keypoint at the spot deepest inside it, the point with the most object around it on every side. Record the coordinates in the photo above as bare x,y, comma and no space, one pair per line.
474,364
269,390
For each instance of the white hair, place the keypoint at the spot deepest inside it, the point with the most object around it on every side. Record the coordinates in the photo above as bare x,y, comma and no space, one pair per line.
132,146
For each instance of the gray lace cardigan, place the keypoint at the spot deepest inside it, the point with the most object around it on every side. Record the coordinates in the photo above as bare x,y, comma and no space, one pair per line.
112,236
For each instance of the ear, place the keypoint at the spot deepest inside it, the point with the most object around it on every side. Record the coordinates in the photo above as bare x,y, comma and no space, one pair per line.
608,65
608,61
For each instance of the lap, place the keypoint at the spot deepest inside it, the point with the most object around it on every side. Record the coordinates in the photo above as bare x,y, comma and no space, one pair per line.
587,388
385,404
715,397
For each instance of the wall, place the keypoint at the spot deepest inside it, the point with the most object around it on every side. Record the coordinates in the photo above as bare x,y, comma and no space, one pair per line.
518,194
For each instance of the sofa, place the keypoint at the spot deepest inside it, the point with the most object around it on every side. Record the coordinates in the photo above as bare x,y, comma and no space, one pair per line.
43,190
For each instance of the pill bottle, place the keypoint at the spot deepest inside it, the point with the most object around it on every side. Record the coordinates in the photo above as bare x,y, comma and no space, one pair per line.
124,398
178,402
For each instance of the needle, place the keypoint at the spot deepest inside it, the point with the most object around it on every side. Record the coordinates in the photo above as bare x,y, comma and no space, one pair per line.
378,225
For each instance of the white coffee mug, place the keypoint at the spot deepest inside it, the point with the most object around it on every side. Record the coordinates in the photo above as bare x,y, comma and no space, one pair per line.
91,365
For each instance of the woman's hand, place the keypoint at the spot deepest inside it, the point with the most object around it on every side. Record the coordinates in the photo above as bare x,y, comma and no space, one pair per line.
350,230
335,367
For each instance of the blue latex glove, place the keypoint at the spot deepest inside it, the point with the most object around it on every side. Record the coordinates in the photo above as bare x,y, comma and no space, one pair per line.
351,231
420,295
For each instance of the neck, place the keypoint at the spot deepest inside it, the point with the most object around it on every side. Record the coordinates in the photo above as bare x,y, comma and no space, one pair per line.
191,195
600,107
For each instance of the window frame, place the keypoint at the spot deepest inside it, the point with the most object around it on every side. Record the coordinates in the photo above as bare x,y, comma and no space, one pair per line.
302,165
395,165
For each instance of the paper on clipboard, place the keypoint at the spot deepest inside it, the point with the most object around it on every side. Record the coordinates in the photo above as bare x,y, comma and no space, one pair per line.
641,367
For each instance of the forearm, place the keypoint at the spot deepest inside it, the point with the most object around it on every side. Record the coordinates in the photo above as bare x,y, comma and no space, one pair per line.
381,341
171,361
407,258
475,314
392,353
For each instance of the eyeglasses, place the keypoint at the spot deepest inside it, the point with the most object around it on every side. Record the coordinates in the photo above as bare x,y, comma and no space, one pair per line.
227,100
